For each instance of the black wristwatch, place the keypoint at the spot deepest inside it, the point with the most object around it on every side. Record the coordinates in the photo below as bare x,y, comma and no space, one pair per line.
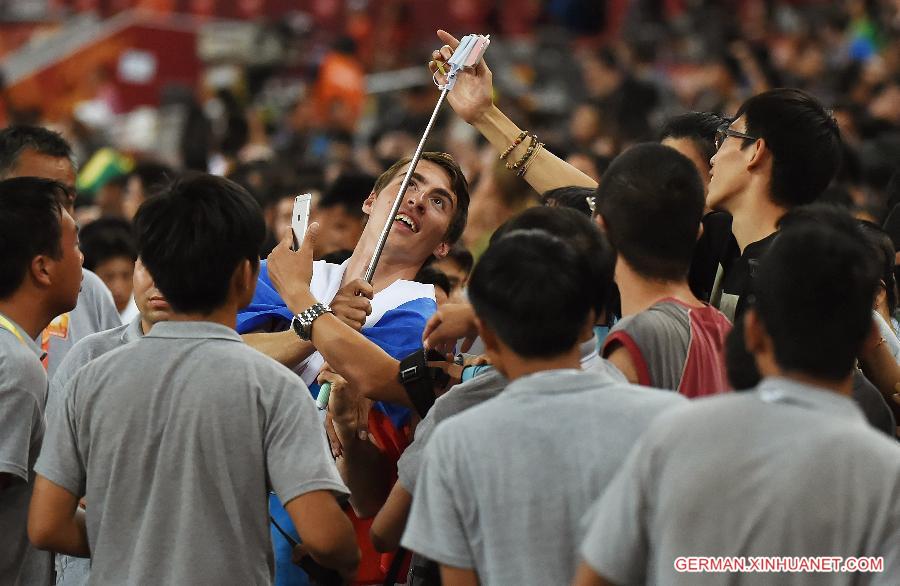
302,322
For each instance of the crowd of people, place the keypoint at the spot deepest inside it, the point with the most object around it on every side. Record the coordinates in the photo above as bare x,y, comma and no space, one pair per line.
582,358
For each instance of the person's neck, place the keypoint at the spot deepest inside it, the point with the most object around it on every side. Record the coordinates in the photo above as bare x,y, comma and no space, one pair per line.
639,293
842,387
26,309
225,315
754,218
389,270
517,366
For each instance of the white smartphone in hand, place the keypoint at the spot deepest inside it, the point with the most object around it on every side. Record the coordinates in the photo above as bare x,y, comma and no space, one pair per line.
300,218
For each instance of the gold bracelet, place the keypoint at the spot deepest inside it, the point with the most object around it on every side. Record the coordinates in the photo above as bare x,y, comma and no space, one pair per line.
513,146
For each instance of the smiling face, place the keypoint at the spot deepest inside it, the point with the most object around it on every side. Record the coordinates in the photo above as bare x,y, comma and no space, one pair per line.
149,300
728,169
421,224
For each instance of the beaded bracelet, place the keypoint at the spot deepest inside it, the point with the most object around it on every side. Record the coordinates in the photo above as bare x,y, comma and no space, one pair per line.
513,146
531,147
521,172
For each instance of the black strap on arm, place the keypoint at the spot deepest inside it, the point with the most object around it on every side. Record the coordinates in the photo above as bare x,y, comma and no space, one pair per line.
419,379
318,574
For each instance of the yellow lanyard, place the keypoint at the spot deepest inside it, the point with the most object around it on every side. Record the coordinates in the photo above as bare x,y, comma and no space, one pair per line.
6,324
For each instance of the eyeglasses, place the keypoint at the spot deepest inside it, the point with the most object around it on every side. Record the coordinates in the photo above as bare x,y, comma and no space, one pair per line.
724,132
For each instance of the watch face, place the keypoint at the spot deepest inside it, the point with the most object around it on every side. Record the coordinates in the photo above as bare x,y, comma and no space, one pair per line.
297,326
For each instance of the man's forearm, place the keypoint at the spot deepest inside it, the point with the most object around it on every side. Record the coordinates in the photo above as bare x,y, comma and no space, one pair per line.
365,366
389,524
69,538
364,469
546,171
283,347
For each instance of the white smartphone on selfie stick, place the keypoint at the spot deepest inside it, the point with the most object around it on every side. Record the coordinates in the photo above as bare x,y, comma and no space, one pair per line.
300,218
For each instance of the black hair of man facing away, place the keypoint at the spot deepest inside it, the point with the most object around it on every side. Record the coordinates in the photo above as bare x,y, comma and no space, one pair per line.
798,470
694,135
651,203
531,324
40,274
189,396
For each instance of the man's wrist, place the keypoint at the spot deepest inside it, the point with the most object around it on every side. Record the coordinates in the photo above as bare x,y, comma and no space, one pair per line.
300,300
487,119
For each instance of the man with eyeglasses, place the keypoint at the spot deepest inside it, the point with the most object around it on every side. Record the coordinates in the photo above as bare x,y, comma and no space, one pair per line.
33,151
781,151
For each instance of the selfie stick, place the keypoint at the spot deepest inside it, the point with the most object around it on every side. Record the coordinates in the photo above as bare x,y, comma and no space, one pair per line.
467,54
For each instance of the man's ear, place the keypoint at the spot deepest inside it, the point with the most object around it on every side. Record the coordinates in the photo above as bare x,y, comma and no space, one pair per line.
760,154
601,223
756,339
442,250
368,203
243,281
41,270
491,344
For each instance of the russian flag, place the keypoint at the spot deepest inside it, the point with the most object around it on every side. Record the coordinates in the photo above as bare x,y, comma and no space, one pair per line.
399,314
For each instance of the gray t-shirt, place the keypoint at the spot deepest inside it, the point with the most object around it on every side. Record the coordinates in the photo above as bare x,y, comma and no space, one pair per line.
505,484
473,392
72,571
675,346
785,470
94,312
23,393
86,350
175,440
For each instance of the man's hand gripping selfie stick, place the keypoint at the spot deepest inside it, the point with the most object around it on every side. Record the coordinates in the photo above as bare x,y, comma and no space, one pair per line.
467,54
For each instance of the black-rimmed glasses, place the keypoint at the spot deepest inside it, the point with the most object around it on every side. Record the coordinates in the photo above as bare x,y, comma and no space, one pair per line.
724,132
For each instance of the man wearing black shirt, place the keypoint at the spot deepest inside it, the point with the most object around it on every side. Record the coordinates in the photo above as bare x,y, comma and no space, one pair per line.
781,151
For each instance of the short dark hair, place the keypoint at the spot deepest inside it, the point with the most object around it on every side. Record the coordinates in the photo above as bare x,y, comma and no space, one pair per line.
461,256
814,290
30,225
571,196
105,239
578,231
698,127
193,236
431,275
458,184
348,191
547,312
651,199
804,140
15,139
154,176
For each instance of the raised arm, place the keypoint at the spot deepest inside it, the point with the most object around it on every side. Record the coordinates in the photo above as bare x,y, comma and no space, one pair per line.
471,100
